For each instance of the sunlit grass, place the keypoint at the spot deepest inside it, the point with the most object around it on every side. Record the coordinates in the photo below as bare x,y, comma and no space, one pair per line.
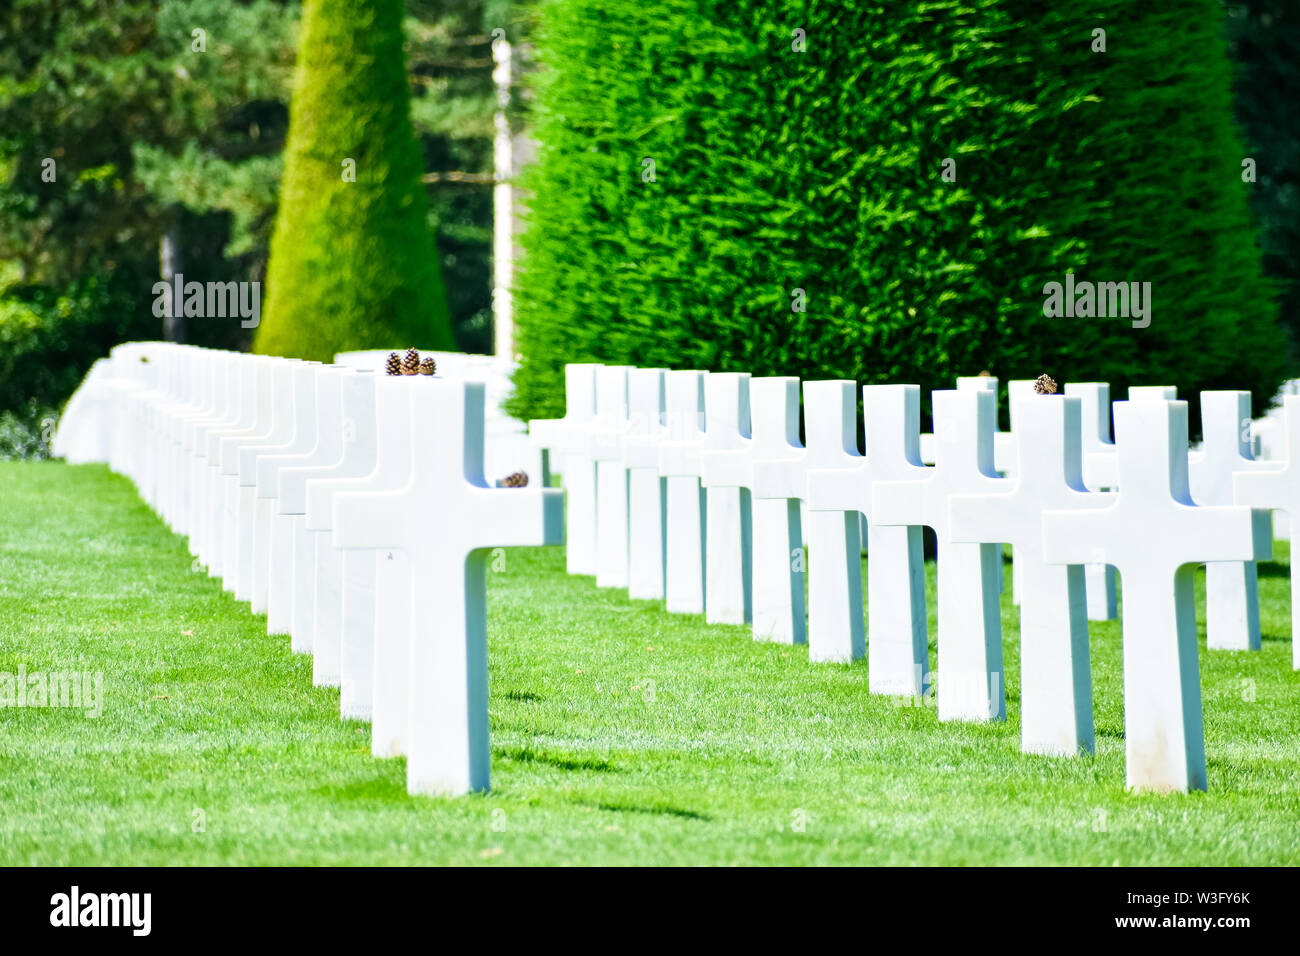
620,733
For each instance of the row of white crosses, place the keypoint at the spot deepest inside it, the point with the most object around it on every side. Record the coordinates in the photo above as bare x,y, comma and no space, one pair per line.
717,528
349,507
307,489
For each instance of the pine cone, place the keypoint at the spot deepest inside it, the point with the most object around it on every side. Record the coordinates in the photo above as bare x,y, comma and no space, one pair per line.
518,480
1043,385
428,366
394,364
411,362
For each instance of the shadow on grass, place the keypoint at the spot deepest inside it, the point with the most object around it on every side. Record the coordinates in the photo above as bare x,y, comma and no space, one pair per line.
1272,569
523,695
562,761
655,809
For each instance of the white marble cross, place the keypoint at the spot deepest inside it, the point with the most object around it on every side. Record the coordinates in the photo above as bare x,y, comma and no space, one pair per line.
1003,448
969,383
194,439
1279,489
1006,454
1152,393
272,542
777,486
251,541
1055,684
1100,461
897,645
1231,587
360,415
274,423
1153,534
835,631
611,477
292,501
728,573
1100,473
645,488
174,384
373,663
448,747
679,463
1006,446
568,445
200,365
778,610
255,384
970,624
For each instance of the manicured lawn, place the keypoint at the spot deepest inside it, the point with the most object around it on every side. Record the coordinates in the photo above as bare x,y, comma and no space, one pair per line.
620,734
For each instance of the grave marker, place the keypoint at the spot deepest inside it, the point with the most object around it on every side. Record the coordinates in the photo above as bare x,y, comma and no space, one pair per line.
1153,533
1100,473
194,443
646,489
253,383
1231,588
777,554
448,748
373,664
679,464
1055,684
328,451
835,630
970,625
272,380
272,547
897,645
728,587
570,441
358,460
611,476
1279,489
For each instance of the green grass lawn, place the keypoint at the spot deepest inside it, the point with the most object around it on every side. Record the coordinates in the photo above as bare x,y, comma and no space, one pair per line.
620,734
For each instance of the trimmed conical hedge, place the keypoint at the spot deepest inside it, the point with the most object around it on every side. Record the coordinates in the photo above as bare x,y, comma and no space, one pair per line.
353,264
782,175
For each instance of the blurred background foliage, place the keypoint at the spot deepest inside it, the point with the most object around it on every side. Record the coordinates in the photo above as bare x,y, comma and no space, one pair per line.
150,138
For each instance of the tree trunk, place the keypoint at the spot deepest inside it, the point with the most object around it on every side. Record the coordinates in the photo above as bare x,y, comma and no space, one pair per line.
169,261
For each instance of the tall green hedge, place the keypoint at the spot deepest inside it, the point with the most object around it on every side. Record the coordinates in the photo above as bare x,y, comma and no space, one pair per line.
1265,37
353,264
777,170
